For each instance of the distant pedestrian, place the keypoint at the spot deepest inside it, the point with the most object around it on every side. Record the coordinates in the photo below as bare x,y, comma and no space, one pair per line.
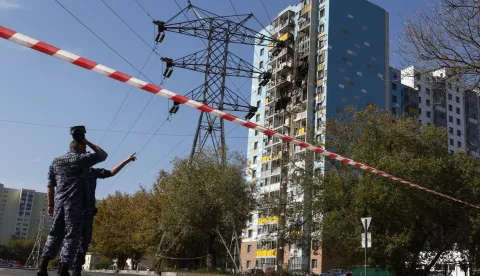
90,210
67,178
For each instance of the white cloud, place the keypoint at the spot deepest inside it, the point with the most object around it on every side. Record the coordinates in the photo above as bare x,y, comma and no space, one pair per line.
9,5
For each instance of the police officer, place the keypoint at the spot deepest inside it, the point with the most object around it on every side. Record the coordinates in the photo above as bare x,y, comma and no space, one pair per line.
67,178
91,210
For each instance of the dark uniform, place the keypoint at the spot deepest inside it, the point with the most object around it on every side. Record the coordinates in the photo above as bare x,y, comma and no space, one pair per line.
89,213
68,174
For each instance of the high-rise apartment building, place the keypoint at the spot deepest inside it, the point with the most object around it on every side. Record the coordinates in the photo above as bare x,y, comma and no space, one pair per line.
332,53
438,99
20,213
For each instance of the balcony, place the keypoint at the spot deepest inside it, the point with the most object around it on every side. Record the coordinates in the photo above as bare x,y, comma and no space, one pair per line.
301,115
270,86
304,24
276,171
266,173
284,81
287,51
282,67
300,132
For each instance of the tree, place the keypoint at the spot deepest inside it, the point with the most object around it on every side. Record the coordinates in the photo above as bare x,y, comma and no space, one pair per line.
121,227
409,226
445,35
202,201
104,263
17,249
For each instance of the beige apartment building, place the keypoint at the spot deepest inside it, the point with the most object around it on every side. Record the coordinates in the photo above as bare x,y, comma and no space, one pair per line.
20,213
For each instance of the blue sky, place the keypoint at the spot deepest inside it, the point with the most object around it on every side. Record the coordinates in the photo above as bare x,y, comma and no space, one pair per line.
40,96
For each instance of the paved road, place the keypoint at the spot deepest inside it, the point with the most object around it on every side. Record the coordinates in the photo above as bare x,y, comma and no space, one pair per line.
28,272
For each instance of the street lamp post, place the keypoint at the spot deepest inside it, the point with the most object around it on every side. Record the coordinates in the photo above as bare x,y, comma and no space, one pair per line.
366,223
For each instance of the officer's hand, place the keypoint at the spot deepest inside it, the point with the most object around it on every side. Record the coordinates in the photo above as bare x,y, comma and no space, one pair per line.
50,211
132,157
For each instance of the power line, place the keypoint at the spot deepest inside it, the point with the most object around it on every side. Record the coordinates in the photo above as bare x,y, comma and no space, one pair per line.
104,42
265,8
131,29
138,153
144,10
123,102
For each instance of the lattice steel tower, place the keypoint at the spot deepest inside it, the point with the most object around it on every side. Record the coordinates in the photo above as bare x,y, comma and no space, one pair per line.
34,258
217,63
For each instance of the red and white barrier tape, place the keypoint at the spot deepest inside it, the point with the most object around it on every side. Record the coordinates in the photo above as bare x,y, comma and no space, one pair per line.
119,76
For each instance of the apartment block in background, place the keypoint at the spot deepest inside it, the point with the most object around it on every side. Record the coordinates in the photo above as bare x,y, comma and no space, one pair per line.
436,98
20,213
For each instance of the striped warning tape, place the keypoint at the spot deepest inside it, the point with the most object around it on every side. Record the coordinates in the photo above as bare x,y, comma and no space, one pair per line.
119,76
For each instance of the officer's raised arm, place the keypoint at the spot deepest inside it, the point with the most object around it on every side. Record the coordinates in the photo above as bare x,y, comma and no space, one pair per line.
90,159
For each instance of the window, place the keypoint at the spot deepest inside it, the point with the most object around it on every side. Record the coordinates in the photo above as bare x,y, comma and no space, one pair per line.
248,264
250,233
428,102
258,104
249,248
458,121
420,112
428,114
261,65
254,174
451,142
394,111
427,90
256,132
449,96
457,99
450,107
450,130
419,88
314,263
449,85
418,76
459,133
394,87
459,144
458,89
321,28
394,98
450,119
259,91
321,74
419,99
458,110
262,51
257,118
254,160
322,13
255,145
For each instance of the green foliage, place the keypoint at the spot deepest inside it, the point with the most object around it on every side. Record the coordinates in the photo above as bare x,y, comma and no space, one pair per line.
104,263
406,221
123,226
202,200
17,249
182,215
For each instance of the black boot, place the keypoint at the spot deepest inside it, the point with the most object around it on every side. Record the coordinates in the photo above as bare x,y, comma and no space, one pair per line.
77,270
42,268
63,270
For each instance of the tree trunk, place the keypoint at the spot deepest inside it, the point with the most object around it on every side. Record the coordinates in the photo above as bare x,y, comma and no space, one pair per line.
212,257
